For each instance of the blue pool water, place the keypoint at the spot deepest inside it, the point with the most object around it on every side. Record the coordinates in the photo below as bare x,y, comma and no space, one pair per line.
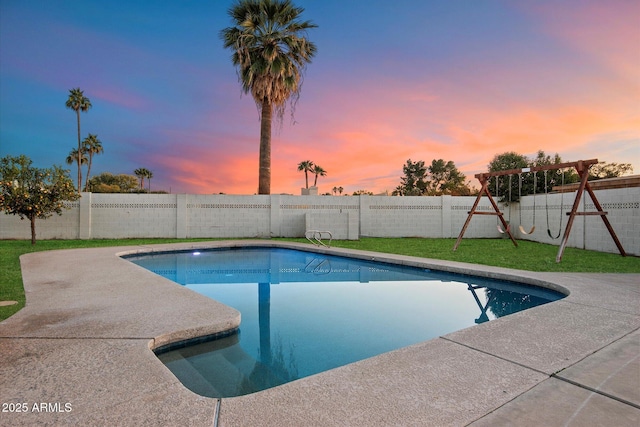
305,313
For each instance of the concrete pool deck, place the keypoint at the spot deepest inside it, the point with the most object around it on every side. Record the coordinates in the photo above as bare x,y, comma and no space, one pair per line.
79,353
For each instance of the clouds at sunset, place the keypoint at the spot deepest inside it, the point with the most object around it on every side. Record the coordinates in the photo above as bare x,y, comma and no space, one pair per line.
461,81
606,32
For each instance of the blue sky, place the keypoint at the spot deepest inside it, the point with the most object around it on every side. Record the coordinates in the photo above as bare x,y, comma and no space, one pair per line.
458,80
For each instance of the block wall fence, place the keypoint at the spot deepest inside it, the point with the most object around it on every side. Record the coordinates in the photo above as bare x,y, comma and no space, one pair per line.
106,216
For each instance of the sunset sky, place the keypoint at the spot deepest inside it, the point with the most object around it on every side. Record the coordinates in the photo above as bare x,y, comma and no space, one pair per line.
461,80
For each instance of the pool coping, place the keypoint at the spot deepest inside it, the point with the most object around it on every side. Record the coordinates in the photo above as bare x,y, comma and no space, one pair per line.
85,337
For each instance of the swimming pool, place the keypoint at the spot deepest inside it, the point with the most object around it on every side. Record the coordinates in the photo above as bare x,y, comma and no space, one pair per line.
305,313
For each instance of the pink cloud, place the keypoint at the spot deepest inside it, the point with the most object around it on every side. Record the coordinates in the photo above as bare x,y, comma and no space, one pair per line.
119,96
609,32
202,163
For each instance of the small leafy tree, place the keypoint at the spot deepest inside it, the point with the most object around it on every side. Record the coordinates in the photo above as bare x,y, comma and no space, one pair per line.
414,181
31,192
609,170
441,177
499,186
109,183
445,178
553,177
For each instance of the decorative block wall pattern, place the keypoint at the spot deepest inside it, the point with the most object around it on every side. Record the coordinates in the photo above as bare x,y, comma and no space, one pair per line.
228,216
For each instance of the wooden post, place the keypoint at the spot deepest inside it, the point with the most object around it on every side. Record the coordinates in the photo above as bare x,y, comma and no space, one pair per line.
584,175
484,180
471,212
603,215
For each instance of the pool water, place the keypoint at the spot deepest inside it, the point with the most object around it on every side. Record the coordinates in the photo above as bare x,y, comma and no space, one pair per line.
305,313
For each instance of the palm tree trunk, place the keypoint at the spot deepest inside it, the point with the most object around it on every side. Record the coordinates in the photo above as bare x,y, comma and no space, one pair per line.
86,179
79,155
264,174
264,316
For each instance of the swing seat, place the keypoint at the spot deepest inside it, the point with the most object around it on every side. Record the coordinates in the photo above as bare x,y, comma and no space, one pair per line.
551,234
500,230
523,231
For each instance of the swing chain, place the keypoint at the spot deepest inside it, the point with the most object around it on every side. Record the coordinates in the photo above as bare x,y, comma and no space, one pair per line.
547,205
500,230
535,183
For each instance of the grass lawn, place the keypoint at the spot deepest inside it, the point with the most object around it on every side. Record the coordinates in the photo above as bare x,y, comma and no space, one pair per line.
497,252
531,256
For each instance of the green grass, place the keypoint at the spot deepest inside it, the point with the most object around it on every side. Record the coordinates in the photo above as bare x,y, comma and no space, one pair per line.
501,253
496,252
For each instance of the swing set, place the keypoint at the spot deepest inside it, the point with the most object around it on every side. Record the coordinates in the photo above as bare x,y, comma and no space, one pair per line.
581,166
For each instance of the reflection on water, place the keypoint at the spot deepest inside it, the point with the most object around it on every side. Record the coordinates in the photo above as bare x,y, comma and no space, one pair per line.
304,313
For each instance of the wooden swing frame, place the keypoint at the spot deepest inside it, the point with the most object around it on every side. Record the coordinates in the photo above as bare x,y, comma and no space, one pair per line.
581,166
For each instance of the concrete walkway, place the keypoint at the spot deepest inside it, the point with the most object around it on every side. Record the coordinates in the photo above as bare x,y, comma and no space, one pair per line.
79,353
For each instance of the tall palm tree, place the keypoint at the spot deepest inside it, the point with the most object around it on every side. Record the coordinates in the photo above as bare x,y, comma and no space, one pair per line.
78,102
318,171
91,145
271,52
75,156
141,173
149,175
306,166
